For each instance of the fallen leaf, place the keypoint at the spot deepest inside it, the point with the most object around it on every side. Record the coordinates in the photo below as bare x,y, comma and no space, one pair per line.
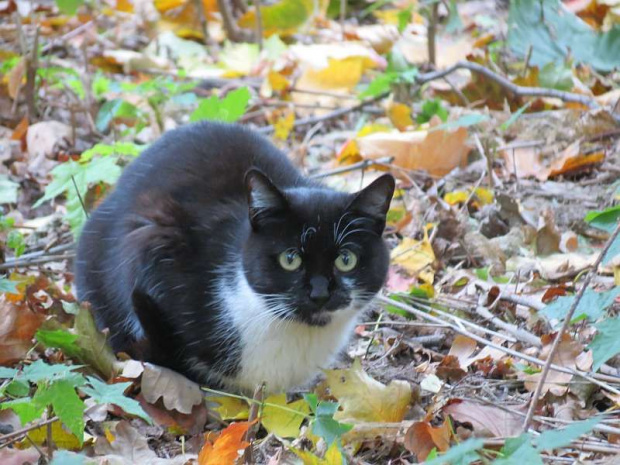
127,444
280,418
365,399
176,391
547,235
284,17
226,448
18,324
438,152
16,77
566,356
10,456
333,456
231,408
487,420
416,257
284,125
463,348
400,115
421,438
61,437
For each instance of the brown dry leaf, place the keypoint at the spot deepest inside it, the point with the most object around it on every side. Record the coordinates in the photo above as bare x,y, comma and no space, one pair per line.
177,392
569,242
226,447
547,235
438,152
15,77
525,162
566,356
450,369
380,37
180,423
463,348
17,327
126,443
9,456
421,438
487,420
365,399
415,49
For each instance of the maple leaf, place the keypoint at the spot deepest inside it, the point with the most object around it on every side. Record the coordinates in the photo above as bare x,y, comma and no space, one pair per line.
225,449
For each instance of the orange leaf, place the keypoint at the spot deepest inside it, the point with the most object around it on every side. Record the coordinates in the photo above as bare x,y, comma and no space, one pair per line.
421,438
225,449
400,115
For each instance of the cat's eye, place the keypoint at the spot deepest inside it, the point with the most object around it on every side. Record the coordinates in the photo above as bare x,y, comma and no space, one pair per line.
346,261
290,260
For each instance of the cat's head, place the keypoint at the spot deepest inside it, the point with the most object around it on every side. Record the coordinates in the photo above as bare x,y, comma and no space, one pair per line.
313,251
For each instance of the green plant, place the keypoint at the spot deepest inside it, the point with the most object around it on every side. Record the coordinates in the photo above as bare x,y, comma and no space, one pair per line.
228,109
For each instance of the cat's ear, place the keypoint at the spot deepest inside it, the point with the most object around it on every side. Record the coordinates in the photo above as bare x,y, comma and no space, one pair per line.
264,199
374,200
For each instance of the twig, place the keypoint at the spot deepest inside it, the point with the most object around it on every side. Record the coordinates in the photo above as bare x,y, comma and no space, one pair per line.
35,261
432,33
355,166
343,13
234,32
328,116
77,191
517,332
69,35
202,17
594,378
27,429
259,24
567,322
31,77
520,91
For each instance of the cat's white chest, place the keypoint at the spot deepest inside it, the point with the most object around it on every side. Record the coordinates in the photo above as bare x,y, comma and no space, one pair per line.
282,353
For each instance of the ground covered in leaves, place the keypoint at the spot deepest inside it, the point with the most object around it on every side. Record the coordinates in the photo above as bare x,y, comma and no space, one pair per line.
495,339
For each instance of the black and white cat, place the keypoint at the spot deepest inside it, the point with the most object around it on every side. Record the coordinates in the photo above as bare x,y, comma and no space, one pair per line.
214,256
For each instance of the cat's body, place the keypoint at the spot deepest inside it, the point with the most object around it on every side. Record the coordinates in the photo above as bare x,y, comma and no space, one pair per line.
185,260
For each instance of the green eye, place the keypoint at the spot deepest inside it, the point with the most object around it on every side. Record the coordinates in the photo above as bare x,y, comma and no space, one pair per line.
290,260
346,261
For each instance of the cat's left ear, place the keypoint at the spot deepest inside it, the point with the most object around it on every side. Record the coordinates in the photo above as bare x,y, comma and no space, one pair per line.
374,200
264,199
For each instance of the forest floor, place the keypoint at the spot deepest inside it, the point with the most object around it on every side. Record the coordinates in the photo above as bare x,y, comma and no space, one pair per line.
496,338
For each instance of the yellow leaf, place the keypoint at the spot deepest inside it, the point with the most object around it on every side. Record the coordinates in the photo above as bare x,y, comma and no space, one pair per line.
282,421
277,81
349,153
109,435
365,399
456,197
400,115
282,127
339,74
484,195
63,439
284,17
416,257
333,456
372,128
231,408
239,59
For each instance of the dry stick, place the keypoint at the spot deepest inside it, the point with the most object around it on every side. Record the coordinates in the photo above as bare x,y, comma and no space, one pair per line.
21,432
258,398
432,33
520,91
233,32
594,378
31,75
328,116
360,165
567,321
78,30
259,24
202,18
343,13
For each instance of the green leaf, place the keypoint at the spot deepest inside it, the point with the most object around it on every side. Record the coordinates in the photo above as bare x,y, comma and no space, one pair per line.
229,109
431,108
7,286
24,408
6,373
461,454
454,20
69,7
324,424
15,241
556,439
462,122
554,33
606,343
556,76
103,393
614,250
8,190
65,457
605,219
66,404
116,108
404,18
41,371
59,339
380,85
515,116
593,305
18,388
519,451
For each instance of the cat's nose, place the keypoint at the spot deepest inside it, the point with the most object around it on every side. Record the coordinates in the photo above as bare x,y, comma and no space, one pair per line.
319,290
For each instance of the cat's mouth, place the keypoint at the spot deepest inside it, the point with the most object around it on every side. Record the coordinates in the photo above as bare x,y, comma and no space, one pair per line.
321,318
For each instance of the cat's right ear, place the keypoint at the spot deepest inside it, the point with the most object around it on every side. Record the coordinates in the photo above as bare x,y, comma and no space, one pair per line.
264,199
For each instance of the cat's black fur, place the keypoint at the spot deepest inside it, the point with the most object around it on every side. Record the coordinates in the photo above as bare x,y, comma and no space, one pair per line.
190,210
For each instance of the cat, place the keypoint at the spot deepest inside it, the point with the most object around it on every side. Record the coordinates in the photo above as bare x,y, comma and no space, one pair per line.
215,257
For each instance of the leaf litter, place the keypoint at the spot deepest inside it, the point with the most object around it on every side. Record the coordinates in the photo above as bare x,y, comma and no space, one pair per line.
507,159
